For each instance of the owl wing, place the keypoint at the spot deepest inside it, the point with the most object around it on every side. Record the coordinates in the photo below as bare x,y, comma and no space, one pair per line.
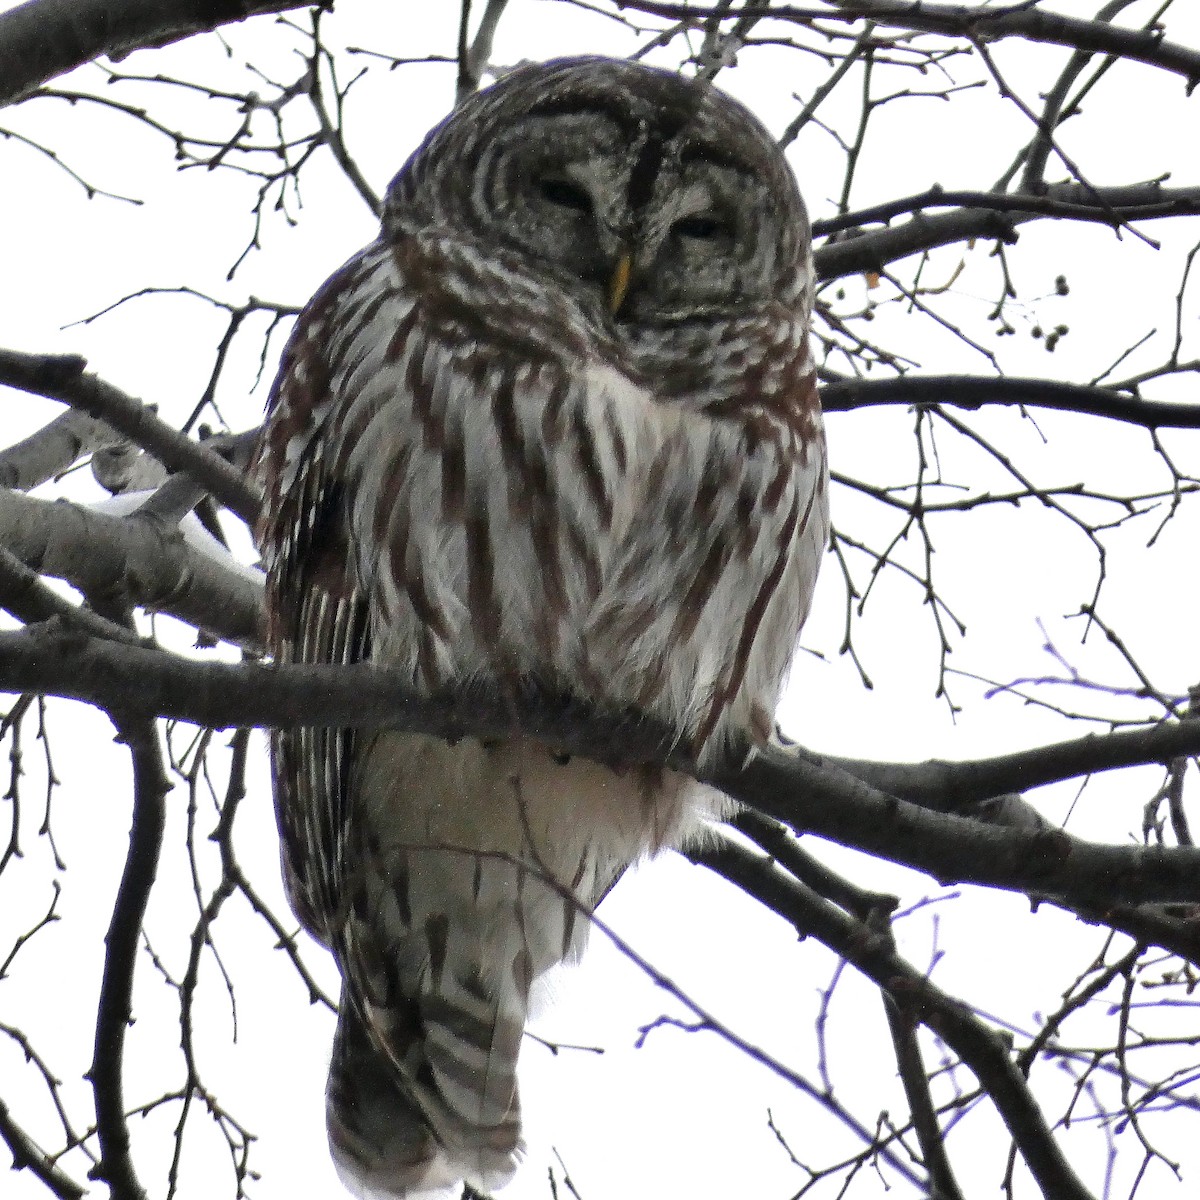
389,533
316,611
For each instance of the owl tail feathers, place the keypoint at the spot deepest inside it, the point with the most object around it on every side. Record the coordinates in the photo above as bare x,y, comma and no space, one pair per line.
399,1137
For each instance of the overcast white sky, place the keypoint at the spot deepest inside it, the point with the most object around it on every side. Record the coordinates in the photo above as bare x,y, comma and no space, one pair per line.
684,1114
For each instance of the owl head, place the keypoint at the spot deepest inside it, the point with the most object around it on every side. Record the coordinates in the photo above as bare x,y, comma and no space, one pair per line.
655,198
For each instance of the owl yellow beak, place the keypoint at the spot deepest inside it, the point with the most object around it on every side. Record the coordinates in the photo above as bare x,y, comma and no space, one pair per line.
618,285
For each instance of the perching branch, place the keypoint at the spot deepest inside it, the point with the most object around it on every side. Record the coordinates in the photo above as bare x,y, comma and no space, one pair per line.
804,791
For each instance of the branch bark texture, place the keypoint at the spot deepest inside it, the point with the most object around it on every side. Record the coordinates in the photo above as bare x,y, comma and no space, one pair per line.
63,378
148,563
42,39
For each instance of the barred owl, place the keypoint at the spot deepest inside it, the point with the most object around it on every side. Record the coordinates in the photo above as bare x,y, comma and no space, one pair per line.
558,423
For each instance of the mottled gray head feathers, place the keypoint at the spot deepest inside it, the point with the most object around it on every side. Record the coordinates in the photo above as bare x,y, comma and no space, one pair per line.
654,195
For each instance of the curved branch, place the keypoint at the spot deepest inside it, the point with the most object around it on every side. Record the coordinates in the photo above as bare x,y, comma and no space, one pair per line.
114,1011
974,391
1033,24
45,38
23,594
806,792
954,786
63,378
986,215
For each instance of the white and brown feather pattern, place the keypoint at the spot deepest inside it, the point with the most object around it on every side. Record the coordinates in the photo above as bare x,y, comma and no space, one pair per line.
475,470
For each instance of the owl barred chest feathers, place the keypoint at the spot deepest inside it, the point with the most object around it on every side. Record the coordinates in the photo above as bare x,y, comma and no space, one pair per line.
559,422
582,528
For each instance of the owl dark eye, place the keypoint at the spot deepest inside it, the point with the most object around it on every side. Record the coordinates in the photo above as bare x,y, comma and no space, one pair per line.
701,227
565,194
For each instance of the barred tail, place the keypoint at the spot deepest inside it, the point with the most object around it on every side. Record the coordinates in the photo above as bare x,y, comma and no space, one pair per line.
449,1113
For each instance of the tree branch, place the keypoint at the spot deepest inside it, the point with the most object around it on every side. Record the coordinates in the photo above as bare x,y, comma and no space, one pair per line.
63,378
28,1155
23,594
955,786
873,251
1019,19
974,391
53,449
45,38
979,1047
114,1011
1032,24
987,215
1113,206
915,1079
150,563
804,791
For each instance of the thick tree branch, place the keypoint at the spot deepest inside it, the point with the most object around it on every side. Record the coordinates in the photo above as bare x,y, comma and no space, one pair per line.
800,789
152,565
955,786
53,449
63,378
55,661
814,795
23,594
45,38
974,391
874,251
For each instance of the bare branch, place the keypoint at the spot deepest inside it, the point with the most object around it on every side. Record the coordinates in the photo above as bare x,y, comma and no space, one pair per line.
974,391
44,38
24,595
985,215
152,564
53,449
28,1155
978,23
114,1011
981,1048
63,378
1114,206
